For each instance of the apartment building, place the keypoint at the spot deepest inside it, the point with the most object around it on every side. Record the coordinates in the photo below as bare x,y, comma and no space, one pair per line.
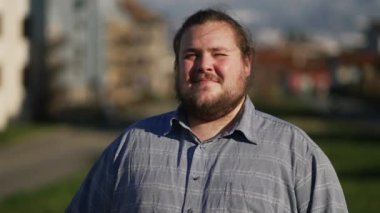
13,58
101,55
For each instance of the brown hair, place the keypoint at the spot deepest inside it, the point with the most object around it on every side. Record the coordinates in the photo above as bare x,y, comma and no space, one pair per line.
202,16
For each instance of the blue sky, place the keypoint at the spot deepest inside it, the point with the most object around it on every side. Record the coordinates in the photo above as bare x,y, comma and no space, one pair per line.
313,16
338,22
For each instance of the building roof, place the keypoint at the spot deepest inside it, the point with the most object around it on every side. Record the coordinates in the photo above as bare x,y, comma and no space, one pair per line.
375,25
138,11
360,58
286,60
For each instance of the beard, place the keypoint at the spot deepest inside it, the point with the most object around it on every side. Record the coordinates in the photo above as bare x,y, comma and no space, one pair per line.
210,109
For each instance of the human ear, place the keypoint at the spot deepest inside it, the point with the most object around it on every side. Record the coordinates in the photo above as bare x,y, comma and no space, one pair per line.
247,60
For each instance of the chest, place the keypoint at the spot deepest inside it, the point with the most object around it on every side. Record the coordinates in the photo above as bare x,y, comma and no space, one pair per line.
213,177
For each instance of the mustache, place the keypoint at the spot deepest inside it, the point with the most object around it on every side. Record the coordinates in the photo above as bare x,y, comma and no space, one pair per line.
196,77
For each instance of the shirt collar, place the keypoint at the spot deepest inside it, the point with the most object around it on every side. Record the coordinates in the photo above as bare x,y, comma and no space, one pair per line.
176,118
244,124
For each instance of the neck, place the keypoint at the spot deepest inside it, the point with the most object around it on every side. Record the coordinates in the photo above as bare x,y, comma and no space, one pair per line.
205,129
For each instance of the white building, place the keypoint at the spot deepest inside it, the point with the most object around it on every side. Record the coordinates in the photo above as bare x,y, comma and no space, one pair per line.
13,58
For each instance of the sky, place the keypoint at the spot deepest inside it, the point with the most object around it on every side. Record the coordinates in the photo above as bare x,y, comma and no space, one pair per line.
343,20
338,22
336,15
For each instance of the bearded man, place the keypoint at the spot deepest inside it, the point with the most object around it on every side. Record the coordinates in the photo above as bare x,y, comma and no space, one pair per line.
215,152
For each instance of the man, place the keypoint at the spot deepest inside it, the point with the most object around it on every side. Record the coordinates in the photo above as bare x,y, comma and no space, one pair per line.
216,152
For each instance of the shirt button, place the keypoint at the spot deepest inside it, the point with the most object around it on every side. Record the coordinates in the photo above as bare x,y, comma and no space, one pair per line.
195,177
189,211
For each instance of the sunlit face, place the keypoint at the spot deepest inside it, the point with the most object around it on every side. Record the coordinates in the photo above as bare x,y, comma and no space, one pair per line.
212,73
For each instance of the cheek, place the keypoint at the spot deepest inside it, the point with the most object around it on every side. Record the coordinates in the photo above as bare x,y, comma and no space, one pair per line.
185,69
222,68
183,72
232,73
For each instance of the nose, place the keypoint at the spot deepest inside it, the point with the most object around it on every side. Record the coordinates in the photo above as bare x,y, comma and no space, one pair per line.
204,63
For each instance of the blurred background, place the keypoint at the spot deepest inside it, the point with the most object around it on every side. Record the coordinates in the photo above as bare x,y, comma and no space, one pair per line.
75,73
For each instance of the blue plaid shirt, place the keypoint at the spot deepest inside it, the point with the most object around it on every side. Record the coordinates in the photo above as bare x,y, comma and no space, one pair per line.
260,164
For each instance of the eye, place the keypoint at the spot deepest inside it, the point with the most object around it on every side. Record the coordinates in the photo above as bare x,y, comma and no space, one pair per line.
190,55
219,54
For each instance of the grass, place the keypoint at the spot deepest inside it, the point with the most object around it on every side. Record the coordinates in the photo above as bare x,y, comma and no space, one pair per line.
52,198
354,159
358,166
19,130
362,195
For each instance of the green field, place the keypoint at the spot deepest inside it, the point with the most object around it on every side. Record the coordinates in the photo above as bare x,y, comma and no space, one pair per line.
358,167
51,198
353,148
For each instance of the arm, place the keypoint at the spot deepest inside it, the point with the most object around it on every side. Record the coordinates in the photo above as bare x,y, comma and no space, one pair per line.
96,191
317,186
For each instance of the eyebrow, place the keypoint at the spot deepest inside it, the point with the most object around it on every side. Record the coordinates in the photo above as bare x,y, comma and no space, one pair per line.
213,49
220,49
190,50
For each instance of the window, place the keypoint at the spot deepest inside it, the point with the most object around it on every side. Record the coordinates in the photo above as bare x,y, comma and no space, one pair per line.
27,27
78,4
1,24
1,77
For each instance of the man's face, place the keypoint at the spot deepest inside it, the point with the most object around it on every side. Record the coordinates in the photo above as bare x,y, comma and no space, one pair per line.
212,74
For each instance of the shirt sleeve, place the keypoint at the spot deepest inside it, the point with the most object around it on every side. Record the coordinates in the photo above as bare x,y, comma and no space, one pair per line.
96,192
317,186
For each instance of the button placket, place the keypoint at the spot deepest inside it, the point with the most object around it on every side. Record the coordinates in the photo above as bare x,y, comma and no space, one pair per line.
193,198
197,167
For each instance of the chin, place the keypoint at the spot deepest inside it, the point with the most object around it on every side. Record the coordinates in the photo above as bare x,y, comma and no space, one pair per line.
208,97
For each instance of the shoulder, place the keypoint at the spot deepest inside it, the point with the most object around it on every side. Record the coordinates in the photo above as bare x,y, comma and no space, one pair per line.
270,126
157,124
144,131
276,132
291,143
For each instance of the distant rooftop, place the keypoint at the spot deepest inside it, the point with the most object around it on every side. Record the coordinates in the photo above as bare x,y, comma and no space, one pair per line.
376,24
138,11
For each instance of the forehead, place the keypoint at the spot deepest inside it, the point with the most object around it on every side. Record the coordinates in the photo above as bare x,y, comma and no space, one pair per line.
209,34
